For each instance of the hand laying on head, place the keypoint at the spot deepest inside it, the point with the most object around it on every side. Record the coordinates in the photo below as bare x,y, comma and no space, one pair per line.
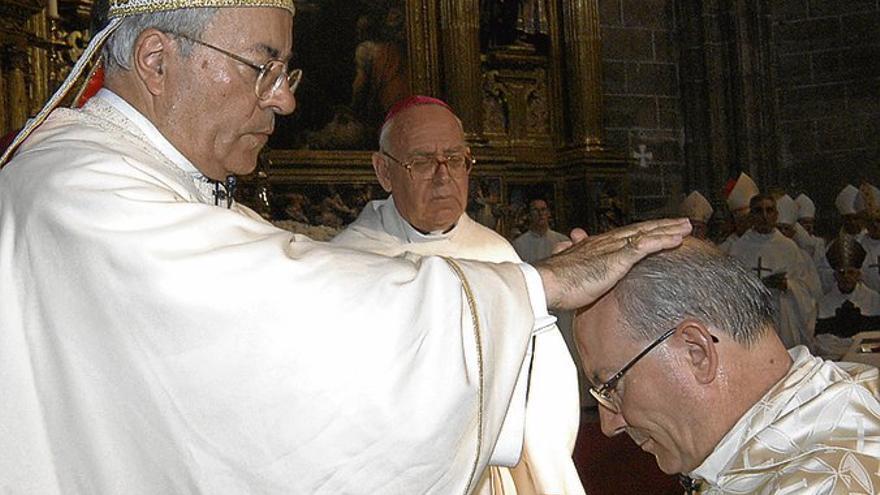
576,236
584,272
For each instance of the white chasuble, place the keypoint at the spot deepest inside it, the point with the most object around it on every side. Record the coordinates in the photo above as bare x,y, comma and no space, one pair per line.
816,432
871,266
153,343
552,413
769,254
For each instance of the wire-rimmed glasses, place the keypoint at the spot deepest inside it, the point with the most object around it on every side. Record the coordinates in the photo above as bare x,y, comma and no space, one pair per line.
423,167
270,75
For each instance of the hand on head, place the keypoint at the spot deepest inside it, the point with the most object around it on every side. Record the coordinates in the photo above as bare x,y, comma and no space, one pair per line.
593,265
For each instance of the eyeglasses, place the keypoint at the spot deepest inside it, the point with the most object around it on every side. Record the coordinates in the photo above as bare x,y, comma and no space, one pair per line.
270,76
424,167
606,394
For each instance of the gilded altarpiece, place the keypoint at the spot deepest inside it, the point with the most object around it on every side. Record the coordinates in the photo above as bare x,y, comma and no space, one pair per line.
527,89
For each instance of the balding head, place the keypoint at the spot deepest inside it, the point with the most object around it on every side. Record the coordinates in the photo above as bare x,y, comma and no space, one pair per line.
433,203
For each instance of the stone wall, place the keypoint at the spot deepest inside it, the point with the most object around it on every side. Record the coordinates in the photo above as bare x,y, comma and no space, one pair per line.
828,92
642,98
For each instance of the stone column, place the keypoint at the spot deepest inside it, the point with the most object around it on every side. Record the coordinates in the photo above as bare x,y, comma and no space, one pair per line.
584,71
460,42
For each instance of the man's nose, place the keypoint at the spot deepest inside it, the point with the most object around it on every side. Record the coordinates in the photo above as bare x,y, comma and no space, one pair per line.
281,101
612,423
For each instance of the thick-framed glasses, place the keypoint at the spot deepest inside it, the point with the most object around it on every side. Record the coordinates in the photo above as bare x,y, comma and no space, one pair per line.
423,167
270,76
605,393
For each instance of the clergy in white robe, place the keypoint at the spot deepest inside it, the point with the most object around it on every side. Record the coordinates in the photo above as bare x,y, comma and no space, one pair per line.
698,210
805,236
788,226
552,414
155,341
685,360
777,261
871,243
539,241
742,192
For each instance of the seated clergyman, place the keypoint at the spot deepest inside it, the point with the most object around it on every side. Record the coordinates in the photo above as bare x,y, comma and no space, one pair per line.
684,358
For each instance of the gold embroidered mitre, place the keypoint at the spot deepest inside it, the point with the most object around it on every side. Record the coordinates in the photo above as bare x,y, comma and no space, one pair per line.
122,8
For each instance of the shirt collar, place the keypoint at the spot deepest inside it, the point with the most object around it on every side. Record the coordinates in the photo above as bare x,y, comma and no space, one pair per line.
414,235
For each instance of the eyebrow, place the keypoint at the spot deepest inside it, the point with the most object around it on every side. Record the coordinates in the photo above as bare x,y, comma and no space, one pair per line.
423,152
271,51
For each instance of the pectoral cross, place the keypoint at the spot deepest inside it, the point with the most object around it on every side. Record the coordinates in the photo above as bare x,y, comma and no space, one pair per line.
643,155
760,269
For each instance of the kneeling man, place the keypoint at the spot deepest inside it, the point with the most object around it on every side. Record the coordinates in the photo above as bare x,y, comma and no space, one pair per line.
684,358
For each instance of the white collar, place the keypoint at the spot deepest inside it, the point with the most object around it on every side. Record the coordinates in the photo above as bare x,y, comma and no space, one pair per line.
412,234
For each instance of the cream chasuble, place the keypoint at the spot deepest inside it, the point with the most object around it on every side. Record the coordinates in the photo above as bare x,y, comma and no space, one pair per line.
816,432
153,343
768,254
552,414
871,266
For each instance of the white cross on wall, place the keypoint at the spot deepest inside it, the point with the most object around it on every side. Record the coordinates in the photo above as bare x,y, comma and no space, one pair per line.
643,155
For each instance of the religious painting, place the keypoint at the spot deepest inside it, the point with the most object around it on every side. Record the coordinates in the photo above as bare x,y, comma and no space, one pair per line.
353,54
514,24
597,204
320,210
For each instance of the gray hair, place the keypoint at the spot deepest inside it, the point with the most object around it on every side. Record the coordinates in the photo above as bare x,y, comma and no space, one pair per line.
698,281
119,48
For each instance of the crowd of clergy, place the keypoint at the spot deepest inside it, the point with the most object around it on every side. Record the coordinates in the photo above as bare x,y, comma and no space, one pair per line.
827,288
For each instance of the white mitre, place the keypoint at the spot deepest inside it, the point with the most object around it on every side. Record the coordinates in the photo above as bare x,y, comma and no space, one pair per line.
806,207
116,11
696,207
788,210
849,201
870,197
743,191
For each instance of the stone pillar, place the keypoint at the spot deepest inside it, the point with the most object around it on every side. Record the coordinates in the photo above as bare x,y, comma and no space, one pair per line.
460,42
584,70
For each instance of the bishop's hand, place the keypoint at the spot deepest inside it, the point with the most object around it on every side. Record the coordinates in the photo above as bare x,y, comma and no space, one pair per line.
584,272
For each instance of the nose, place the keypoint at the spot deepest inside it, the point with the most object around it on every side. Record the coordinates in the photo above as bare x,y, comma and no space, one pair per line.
281,101
612,423
441,170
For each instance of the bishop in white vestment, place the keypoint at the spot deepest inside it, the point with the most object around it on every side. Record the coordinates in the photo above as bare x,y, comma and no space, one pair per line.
223,336
774,254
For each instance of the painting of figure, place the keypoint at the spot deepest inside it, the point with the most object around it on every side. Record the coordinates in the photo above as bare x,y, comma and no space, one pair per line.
353,54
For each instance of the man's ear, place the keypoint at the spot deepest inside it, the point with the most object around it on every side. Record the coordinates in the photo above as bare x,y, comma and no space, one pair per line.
702,353
380,166
152,53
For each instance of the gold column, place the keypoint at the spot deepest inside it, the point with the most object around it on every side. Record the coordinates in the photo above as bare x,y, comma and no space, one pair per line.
584,71
16,94
460,32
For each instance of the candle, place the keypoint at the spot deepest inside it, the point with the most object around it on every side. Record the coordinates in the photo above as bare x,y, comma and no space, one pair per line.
52,9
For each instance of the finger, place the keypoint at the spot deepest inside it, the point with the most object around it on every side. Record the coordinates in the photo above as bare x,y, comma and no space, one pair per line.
678,224
562,246
653,243
578,234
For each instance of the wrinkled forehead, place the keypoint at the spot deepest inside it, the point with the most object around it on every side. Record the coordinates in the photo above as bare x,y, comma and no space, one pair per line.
427,125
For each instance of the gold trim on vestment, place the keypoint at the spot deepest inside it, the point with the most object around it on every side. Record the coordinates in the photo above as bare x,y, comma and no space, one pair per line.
475,319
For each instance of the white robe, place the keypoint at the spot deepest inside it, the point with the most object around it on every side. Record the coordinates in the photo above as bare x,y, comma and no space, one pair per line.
553,412
870,268
796,317
532,247
155,343
816,432
727,243
862,297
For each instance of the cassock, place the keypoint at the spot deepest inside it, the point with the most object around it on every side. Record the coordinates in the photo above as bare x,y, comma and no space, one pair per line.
845,315
816,432
871,266
552,414
533,247
769,254
153,342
